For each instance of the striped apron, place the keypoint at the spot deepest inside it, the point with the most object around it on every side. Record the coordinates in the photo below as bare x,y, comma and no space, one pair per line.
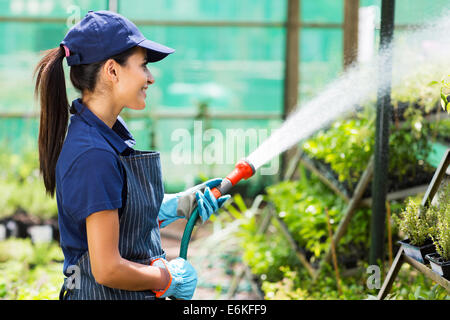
139,238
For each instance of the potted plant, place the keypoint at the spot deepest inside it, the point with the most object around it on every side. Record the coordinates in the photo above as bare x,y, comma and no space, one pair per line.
417,224
440,260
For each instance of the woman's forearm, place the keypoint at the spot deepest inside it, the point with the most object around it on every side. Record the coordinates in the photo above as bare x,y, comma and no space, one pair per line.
108,267
132,276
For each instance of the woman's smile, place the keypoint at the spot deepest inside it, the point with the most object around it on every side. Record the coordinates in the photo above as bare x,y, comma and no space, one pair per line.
143,90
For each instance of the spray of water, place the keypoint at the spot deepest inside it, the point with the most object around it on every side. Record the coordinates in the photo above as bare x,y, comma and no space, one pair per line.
412,50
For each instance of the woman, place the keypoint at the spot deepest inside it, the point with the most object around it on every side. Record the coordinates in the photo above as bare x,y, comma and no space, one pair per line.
110,197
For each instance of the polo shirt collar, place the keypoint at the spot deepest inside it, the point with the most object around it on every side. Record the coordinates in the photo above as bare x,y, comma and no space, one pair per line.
109,134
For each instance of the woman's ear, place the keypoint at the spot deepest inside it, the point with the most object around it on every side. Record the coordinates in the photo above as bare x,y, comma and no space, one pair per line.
110,70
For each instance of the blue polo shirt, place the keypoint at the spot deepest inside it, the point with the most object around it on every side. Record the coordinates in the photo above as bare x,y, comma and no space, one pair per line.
89,176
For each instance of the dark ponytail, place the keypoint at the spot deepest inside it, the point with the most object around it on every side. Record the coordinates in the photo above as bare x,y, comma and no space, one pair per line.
51,90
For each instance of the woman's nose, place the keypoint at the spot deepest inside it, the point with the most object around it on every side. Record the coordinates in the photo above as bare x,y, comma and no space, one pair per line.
150,79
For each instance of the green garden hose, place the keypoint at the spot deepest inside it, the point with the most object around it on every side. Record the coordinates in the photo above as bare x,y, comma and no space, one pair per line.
243,170
187,234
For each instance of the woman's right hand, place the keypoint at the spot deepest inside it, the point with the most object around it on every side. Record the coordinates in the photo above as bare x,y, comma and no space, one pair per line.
183,278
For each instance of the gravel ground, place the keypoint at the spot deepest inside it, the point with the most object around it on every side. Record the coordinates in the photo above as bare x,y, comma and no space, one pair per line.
215,268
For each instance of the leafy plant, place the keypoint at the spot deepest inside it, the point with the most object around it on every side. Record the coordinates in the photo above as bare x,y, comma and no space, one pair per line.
302,205
21,186
30,271
415,222
285,289
444,88
263,253
296,284
348,144
409,145
440,130
419,87
413,285
441,234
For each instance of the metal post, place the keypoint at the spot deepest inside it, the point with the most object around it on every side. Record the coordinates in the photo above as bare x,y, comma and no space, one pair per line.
113,5
383,117
351,9
291,74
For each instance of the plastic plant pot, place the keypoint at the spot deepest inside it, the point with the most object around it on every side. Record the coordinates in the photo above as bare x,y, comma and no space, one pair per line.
418,252
439,265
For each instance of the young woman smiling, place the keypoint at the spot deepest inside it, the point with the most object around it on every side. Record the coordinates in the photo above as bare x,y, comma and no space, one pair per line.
110,197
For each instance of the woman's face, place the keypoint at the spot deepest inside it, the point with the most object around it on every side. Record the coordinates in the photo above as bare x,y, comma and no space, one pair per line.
134,79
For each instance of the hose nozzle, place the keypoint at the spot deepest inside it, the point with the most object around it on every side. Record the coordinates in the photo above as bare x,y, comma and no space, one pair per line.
243,170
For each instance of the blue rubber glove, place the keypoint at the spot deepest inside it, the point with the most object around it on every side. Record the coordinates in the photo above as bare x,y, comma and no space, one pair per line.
183,278
207,204
181,205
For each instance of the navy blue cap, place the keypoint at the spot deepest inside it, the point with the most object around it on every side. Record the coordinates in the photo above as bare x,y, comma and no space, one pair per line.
103,34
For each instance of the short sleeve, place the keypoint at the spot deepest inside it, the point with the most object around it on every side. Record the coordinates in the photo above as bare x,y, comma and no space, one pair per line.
93,183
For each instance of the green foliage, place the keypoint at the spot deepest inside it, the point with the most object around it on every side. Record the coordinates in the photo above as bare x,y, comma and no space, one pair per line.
441,232
32,254
298,285
285,289
444,88
415,222
22,187
16,250
303,213
419,224
263,253
30,271
413,285
440,128
409,144
301,205
424,293
7,189
419,87
348,144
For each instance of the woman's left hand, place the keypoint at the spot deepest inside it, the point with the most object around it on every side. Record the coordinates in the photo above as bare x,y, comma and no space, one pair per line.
207,204
181,205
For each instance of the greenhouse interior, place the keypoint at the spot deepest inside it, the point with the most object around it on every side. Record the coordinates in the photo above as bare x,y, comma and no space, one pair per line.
327,122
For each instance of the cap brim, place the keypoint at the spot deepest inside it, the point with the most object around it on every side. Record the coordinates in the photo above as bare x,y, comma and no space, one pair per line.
155,51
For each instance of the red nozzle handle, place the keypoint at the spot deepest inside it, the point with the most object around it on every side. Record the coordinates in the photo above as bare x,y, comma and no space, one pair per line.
216,192
242,170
